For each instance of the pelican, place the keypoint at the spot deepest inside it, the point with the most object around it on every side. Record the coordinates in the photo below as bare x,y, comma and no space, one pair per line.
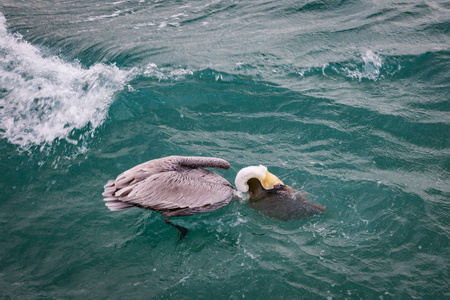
179,186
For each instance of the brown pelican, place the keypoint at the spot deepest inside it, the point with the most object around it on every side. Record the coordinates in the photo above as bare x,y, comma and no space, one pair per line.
179,186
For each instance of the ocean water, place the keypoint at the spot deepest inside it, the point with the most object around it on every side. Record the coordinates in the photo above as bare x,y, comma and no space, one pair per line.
345,100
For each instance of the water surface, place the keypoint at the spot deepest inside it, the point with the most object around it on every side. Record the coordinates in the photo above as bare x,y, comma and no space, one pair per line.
345,100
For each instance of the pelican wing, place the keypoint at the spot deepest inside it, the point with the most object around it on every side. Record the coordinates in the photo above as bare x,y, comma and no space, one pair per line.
173,186
175,193
165,164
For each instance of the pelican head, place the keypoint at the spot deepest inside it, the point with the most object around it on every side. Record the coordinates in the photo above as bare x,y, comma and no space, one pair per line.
255,179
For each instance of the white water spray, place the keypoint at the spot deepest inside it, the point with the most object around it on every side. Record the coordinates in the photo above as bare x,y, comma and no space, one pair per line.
44,98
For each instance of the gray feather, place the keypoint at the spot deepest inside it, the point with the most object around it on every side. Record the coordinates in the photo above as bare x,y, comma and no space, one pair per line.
173,186
117,205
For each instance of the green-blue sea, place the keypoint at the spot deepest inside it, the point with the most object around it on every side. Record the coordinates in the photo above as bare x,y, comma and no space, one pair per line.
345,100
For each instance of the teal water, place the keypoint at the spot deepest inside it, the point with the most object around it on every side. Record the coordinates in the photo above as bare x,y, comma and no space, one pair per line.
346,100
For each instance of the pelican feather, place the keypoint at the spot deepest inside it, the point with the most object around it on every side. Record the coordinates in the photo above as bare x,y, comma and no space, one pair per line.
173,186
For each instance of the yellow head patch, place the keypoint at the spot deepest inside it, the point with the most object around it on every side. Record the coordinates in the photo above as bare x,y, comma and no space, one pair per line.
270,181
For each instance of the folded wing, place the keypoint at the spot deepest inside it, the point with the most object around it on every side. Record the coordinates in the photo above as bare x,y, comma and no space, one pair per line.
173,186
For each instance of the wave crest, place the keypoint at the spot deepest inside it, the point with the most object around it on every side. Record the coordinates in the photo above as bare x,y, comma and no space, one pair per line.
43,98
370,70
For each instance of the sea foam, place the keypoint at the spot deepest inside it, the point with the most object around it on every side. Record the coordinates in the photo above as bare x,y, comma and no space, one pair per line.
44,98
370,70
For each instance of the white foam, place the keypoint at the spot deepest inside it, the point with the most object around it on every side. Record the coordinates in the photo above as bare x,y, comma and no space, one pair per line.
370,70
44,98
177,16
169,73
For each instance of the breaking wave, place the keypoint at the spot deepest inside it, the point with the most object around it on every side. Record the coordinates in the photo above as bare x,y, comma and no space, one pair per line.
370,66
44,98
